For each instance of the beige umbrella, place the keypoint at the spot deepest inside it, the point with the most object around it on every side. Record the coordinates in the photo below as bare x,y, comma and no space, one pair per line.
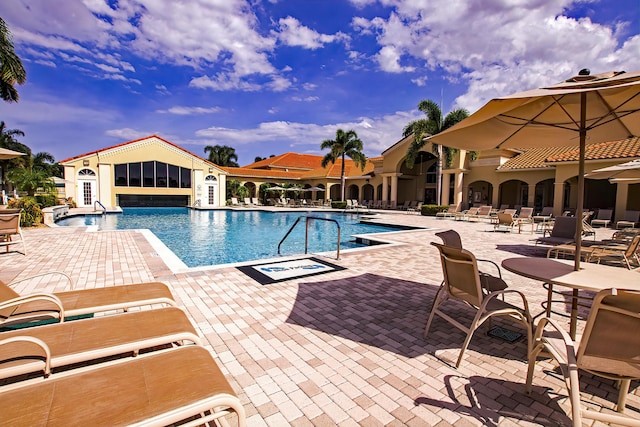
622,171
6,154
584,109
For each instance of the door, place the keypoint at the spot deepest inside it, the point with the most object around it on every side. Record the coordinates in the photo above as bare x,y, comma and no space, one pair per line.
86,193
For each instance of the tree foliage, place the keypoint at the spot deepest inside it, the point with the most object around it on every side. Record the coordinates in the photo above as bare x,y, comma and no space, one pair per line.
222,155
11,70
346,144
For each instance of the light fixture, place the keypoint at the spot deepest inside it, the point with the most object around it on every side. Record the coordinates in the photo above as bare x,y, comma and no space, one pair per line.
85,163
210,170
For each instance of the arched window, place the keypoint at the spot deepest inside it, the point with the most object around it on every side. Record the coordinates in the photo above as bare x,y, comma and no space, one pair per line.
210,179
86,173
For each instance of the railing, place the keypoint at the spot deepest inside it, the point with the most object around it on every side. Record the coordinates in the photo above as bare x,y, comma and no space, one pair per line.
197,203
306,232
97,202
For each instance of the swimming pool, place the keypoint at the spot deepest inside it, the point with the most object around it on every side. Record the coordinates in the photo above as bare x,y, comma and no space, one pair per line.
203,238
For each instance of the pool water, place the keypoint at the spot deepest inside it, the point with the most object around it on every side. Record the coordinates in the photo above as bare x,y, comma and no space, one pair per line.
202,238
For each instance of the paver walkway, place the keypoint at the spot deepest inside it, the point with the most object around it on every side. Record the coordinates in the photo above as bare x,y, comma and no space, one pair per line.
343,348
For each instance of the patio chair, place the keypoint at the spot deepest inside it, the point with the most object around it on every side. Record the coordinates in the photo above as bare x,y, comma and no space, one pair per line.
10,228
462,282
490,282
449,212
484,212
602,218
505,221
525,217
630,219
627,257
503,207
562,233
465,215
609,348
162,388
94,339
22,309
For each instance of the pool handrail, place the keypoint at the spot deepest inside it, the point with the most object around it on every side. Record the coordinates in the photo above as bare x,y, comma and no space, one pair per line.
306,232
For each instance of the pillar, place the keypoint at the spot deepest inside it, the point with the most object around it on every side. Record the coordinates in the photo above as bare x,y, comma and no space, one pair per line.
558,195
622,195
446,183
394,189
385,187
531,198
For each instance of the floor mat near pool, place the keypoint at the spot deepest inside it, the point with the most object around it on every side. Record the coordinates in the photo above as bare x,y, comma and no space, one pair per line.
504,334
280,271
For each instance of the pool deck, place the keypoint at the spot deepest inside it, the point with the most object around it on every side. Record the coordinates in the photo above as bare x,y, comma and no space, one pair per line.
344,348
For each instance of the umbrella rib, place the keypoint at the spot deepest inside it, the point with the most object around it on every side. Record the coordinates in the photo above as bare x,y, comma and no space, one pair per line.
526,122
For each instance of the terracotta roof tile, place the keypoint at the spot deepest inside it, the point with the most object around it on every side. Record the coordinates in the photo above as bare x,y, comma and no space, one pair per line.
621,149
288,160
534,158
262,173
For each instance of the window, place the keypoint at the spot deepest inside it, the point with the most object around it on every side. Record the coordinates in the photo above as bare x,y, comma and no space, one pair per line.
148,174
161,174
120,172
174,176
135,175
185,178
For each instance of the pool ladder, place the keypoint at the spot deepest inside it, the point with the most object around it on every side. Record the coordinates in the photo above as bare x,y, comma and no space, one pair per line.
97,203
306,232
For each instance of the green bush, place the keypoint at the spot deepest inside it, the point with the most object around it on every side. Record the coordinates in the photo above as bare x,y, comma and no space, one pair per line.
31,212
339,205
46,200
432,210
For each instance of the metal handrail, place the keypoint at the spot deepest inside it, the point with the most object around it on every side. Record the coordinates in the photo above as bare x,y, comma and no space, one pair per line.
306,232
97,202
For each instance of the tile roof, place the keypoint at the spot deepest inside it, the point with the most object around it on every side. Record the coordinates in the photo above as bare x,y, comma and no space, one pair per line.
621,149
261,173
546,157
289,160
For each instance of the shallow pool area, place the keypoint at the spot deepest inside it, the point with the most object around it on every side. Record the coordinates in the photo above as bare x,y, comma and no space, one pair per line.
203,238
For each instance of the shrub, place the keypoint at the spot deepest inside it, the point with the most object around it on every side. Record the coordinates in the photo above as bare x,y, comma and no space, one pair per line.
46,200
31,212
339,205
432,210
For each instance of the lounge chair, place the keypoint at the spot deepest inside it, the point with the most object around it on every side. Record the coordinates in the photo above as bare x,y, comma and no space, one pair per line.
484,212
451,211
19,309
465,215
603,217
462,282
562,233
158,389
630,219
10,228
255,201
97,338
247,201
609,348
525,217
628,256
505,221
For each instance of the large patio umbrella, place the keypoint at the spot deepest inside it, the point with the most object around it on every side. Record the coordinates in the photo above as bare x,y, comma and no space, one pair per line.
584,109
622,171
6,154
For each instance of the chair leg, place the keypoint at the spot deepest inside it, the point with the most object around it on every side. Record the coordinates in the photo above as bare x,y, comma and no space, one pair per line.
474,325
439,298
622,394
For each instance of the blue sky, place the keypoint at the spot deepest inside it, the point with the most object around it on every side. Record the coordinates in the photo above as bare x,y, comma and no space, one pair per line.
271,76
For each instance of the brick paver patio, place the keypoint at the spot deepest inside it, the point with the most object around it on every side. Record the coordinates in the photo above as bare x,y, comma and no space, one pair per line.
343,348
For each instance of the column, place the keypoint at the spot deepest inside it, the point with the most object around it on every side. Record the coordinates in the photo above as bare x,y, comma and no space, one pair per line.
385,187
531,199
622,195
446,183
394,189
458,188
558,195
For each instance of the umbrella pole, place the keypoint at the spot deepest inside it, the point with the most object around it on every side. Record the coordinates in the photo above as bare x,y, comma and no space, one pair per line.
580,201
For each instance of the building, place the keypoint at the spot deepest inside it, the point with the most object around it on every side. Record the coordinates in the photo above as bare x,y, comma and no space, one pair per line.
145,172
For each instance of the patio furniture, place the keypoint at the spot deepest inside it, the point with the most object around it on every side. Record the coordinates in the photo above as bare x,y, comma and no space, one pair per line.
602,218
609,348
563,232
484,212
162,388
630,219
618,255
10,228
505,221
451,211
22,309
97,338
462,282
465,215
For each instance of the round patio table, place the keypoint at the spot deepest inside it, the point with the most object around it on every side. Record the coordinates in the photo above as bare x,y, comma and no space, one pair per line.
590,277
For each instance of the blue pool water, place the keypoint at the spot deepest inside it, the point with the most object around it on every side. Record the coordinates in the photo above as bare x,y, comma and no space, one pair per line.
201,238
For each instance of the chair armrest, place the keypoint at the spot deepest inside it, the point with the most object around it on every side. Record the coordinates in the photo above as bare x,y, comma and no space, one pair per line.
32,340
16,302
494,263
49,273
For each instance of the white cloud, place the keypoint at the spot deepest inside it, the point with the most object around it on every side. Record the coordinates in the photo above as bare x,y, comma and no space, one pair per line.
127,134
292,33
305,99
187,111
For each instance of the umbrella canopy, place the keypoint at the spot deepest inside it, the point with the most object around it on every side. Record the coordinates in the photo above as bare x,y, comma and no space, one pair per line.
314,189
622,171
6,154
276,188
584,109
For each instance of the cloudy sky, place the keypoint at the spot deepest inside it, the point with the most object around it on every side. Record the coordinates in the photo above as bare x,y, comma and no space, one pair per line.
270,76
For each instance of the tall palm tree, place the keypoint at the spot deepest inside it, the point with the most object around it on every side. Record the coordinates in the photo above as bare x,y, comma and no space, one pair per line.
222,155
346,144
46,162
11,70
432,125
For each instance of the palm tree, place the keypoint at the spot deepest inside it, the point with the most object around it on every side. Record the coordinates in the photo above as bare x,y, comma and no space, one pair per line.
11,70
222,155
346,144
8,140
432,125
30,180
